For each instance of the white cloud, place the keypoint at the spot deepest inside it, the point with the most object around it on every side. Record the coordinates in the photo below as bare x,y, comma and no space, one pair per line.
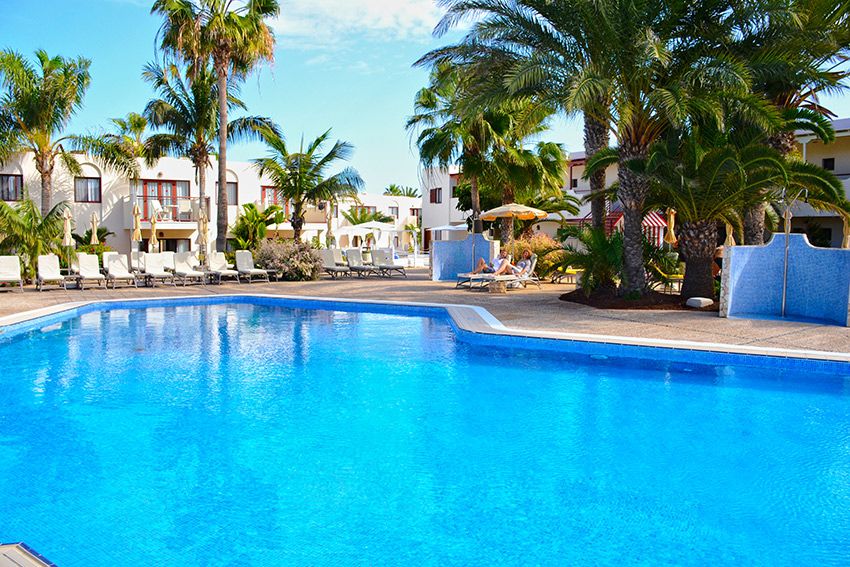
314,24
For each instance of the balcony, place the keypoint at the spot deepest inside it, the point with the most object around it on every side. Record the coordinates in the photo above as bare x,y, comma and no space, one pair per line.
171,212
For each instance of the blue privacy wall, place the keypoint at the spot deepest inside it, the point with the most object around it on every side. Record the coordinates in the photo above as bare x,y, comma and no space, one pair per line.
818,288
452,257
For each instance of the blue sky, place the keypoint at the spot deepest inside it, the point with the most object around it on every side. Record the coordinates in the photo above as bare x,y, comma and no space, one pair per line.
341,64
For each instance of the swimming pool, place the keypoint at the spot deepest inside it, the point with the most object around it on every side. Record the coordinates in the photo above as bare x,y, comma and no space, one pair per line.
260,432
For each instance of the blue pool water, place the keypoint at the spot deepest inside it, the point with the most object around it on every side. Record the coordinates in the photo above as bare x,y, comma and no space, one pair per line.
243,434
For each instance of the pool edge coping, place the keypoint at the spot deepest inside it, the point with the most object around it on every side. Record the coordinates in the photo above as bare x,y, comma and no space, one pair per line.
470,318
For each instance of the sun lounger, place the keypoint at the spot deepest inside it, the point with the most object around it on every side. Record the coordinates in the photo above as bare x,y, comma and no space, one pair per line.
219,267
355,263
168,261
89,270
329,265
339,258
118,270
186,270
246,269
10,270
104,258
155,270
383,262
49,272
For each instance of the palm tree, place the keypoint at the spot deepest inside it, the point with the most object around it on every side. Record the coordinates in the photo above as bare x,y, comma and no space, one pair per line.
359,215
541,49
302,177
29,234
449,134
38,102
130,135
252,225
85,238
235,37
394,190
189,115
795,54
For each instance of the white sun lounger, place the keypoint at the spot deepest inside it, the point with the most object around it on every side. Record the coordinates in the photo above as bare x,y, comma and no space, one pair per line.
155,270
219,267
89,270
185,268
329,264
118,270
246,269
49,272
355,263
383,262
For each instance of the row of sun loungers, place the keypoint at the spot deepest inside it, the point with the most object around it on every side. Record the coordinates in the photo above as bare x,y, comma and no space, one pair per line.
336,265
150,269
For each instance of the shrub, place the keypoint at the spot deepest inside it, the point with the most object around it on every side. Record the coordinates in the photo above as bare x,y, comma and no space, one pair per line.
546,248
97,249
294,261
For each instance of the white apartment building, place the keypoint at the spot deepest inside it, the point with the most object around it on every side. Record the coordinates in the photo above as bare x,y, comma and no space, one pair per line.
172,185
823,228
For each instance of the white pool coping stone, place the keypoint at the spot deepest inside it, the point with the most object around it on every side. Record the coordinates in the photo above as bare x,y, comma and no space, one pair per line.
471,318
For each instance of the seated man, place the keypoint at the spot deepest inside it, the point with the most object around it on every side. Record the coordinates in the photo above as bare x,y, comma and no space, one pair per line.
499,266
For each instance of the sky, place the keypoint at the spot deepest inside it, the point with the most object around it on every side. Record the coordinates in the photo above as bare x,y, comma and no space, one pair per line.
346,65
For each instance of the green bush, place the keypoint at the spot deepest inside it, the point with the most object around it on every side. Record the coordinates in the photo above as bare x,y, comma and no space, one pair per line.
549,253
293,261
97,249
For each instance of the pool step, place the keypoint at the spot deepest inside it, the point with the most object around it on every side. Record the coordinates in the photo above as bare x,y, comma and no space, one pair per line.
20,555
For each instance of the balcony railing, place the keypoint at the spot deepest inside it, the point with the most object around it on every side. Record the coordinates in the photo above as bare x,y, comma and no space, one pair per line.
170,209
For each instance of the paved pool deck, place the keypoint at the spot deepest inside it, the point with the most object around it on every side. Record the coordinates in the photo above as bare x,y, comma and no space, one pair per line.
530,309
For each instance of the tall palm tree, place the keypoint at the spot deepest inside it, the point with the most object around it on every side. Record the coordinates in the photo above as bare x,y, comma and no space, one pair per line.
235,37
36,105
541,49
449,134
796,50
394,190
302,177
187,113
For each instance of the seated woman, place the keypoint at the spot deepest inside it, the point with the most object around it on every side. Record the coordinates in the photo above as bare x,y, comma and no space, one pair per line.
523,267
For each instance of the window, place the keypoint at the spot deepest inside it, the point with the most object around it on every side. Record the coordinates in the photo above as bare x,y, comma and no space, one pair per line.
11,187
232,192
169,199
828,163
367,210
437,195
416,213
394,212
574,183
454,191
87,189
270,196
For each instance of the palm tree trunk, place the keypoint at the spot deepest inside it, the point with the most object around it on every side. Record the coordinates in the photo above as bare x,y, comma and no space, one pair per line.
507,228
754,228
221,216
697,241
329,219
297,221
45,169
595,139
633,191
477,225
202,188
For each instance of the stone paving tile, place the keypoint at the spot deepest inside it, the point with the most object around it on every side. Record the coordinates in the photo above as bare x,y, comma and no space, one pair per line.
527,309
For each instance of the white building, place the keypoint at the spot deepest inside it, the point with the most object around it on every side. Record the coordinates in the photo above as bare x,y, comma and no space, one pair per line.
172,184
439,207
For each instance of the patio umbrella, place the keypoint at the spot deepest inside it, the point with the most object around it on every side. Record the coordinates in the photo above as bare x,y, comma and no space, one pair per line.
94,241
153,243
670,237
137,224
730,236
67,239
512,210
